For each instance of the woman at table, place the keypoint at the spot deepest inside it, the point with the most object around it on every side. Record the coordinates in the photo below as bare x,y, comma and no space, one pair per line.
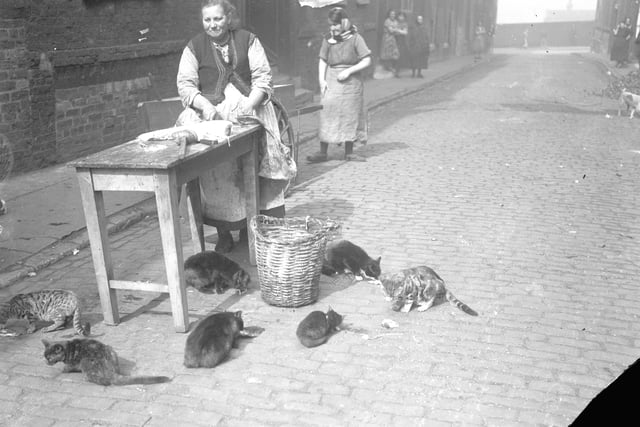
224,73
343,55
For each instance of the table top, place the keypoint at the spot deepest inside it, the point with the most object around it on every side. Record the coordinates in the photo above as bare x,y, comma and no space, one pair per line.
163,154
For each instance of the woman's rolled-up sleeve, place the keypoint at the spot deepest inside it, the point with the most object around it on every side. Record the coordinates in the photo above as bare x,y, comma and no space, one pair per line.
187,80
260,69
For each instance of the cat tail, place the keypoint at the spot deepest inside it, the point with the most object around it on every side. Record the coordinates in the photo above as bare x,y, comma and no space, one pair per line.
126,380
462,306
81,329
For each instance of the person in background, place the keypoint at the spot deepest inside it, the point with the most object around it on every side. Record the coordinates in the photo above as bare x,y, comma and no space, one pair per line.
343,55
224,73
402,32
418,41
389,52
479,41
620,47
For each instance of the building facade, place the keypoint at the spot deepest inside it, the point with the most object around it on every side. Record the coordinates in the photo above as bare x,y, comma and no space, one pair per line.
72,72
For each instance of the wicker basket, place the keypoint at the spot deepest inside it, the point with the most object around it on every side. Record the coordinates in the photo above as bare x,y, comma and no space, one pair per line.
289,254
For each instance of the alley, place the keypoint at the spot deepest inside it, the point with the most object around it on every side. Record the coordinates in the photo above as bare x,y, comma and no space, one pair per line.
514,181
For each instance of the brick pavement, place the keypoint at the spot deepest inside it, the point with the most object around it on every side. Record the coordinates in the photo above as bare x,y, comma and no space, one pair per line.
528,211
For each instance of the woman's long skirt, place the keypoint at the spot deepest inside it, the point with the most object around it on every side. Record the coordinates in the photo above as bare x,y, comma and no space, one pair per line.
343,116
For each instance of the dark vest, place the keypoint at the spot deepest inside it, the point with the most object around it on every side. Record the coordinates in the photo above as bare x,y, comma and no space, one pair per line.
214,73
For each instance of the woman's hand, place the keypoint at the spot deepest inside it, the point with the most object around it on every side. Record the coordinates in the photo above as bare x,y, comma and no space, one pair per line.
246,107
209,112
344,75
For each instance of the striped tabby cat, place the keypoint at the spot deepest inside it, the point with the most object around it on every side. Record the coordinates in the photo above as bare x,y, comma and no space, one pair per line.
54,305
419,286
97,361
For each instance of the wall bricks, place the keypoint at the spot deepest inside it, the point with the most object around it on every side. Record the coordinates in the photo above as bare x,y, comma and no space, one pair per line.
59,56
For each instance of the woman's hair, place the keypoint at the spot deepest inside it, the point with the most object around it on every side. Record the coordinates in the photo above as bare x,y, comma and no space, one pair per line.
390,12
338,15
227,8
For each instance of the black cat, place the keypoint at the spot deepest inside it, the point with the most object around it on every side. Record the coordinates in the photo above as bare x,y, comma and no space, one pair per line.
97,361
346,257
213,338
211,271
317,327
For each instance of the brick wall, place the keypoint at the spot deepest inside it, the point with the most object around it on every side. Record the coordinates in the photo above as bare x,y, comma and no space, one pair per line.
72,72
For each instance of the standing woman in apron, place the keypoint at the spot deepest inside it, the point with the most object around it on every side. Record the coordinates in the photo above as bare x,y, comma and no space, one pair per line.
343,56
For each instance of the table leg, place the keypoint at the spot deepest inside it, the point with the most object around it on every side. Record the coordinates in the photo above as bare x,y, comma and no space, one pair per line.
194,207
93,205
169,218
250,166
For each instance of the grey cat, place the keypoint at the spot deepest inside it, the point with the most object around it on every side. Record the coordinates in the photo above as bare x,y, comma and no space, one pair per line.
97,361
210,272
344,256
317,327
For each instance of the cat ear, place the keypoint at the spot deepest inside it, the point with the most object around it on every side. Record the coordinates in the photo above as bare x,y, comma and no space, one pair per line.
46,343
238,314
378,260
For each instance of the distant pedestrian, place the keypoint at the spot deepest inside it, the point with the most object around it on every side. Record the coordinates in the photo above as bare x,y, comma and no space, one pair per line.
479,41
418,41
525,36
401,35
620,47
389,52
343,56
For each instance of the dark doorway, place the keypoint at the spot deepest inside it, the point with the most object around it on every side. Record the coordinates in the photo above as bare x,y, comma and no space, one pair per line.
269,20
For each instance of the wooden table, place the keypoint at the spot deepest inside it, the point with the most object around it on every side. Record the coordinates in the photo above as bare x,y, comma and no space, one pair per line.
160,167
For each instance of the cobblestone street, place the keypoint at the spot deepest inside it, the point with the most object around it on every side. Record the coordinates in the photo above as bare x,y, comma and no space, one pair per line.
513,181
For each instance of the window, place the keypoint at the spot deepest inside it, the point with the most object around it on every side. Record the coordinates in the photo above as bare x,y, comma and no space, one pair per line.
407,5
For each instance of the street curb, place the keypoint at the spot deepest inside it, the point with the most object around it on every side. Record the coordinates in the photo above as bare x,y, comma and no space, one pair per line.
77,240
74,242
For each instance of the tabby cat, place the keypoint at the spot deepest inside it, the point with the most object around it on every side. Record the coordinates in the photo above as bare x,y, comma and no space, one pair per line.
53,305
213,338
419,286
211,271
317,327
97,361
343,256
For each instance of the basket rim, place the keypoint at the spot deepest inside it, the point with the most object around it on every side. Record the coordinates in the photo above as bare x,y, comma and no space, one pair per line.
327,225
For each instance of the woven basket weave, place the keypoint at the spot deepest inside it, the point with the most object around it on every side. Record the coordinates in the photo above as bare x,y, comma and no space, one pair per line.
289,254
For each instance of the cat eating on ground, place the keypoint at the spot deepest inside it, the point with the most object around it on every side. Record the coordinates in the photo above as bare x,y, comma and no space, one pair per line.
344,256
418,286
213,338
98,362
210,272
317,327
51,305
